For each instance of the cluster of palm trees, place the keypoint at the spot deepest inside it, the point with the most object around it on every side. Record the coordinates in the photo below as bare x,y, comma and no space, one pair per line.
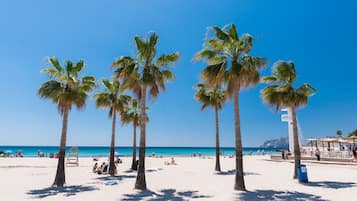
229,69
144,75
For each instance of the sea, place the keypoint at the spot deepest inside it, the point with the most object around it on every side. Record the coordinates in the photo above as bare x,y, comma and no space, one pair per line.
96,151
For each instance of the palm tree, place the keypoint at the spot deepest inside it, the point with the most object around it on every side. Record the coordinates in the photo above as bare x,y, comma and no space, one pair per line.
339,133
281,94
132,115
116,101
142,74
353,133
66,89
229,63
215,98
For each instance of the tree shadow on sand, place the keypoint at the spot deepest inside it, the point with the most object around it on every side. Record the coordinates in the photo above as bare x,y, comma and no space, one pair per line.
147,170
163,195
232,172
153,169
66,190
330,184
271,195
130,171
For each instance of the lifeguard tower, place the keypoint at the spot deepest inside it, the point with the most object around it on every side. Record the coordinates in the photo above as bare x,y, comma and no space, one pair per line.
72,157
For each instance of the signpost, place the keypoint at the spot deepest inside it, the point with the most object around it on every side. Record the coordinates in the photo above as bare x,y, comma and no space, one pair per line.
288,118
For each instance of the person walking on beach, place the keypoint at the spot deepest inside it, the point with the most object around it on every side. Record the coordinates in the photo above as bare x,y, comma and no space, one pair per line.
354,154
286,154
317,154
283,154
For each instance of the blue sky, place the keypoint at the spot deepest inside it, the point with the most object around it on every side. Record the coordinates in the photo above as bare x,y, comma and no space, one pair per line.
319,36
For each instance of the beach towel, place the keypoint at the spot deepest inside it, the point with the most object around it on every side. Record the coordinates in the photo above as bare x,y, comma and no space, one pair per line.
110,182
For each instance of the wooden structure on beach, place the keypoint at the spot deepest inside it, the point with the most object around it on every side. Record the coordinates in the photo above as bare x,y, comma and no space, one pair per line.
72,157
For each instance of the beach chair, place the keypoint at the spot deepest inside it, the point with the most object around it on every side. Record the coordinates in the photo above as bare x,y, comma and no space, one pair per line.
72,157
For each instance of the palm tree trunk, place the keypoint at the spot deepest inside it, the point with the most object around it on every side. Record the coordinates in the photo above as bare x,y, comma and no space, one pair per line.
60,178
239,179
218,164
297,155
134,166
112,146
140,178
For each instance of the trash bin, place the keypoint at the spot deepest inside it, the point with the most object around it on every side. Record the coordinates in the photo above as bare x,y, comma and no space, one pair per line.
302,173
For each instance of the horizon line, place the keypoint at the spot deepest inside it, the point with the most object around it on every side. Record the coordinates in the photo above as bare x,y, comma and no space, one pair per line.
101,146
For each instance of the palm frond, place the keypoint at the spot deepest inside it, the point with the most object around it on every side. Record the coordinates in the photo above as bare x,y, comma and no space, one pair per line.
214,74
232,31
216,45
205,54
54,62
167,59
220,34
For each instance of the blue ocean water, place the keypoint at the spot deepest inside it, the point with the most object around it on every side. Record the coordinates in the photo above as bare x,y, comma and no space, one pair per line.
88,151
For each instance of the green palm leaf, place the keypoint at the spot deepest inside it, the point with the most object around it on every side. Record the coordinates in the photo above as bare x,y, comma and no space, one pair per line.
112,97
65,87
281,93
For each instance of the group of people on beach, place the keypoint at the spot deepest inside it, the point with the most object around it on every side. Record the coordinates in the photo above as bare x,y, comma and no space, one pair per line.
104,167
285,154
10,154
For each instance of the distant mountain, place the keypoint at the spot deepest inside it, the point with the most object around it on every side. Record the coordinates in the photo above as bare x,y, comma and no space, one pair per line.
281,143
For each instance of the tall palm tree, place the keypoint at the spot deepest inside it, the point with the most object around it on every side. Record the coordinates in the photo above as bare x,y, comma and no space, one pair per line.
281,94
215,98
114,99
66,89
339,133
229,63
132,115
146,72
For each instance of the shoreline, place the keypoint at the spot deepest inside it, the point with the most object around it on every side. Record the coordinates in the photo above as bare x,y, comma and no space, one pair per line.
46,151
147,156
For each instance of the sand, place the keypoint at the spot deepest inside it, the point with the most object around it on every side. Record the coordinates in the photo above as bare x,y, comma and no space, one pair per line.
191,179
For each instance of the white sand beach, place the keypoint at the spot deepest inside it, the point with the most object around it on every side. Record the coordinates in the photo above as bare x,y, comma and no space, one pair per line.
191,179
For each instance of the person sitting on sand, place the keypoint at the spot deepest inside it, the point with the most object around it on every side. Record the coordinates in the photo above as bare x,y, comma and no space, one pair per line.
117,161
172,162
19,153
103,168
95,168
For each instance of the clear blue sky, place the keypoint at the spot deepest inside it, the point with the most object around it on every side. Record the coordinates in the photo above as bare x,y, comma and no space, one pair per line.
319,36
